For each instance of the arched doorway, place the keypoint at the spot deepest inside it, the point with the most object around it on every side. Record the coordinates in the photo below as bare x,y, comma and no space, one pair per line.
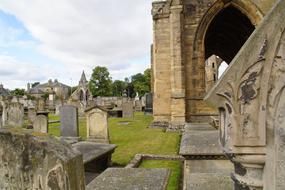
222,31
227,33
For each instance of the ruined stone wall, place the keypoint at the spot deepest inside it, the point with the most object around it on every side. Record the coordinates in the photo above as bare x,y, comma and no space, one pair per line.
186,74
161,66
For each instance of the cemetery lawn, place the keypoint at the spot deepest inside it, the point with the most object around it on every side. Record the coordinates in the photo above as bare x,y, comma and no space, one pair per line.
132,136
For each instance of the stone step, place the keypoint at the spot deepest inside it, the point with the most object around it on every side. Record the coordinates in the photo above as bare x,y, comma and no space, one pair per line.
198,126
200,143
207,175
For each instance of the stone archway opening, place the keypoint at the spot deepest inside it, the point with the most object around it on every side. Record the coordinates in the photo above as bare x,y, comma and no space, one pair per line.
227,33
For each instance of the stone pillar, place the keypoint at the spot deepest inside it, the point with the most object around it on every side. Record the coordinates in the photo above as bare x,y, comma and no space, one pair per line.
177,66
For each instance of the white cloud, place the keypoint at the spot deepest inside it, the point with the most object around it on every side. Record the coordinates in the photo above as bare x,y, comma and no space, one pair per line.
15,73
83,34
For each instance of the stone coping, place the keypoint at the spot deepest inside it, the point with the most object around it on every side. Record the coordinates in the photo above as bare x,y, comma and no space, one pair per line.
197,143
131,179
92,151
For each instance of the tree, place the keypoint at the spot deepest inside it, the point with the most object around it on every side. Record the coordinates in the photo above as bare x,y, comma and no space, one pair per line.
18,92
118,87
100,83
141,82
35,84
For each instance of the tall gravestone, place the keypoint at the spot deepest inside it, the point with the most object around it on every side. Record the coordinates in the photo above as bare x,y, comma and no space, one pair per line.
15,114
128,109
97,125
38,162
40,124
148,103
69,123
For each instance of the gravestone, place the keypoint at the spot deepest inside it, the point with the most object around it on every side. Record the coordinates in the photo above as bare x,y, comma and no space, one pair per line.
15,114
57,109
40,124
31,114
38,162
41,105
69,123
138,105
148,103
128,110
97,125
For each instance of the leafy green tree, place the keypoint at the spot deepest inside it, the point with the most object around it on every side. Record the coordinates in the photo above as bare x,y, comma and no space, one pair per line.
118,87
101,83
35,84
18,92
141,82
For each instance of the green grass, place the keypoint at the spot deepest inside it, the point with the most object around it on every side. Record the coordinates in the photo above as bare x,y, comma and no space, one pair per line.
132,136
136,137
175,167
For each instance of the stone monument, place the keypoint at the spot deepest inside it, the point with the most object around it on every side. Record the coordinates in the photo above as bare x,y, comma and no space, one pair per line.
128,109
69,123
15,114
38,162
40,124
97,125
251,101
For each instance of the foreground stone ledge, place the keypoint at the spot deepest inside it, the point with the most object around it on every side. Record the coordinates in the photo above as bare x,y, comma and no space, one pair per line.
130,179
38,161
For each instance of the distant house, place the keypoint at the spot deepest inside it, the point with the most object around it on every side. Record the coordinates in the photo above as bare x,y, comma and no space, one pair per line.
3,91
53,89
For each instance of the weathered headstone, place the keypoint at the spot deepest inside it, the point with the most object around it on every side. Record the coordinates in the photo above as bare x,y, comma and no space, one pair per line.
32,114
69,123
15,114
128,110
57,109
138,105
97,125
40,124
41,105
148,103
38,162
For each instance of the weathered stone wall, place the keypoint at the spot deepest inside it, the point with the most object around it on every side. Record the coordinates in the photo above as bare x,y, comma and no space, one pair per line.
179,62
38,162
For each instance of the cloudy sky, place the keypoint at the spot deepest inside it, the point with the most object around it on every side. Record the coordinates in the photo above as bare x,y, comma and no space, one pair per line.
42,39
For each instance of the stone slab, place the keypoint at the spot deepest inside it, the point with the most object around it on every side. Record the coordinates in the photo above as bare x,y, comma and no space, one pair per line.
200,143
198,126
92,151
207,175
131,179
69,121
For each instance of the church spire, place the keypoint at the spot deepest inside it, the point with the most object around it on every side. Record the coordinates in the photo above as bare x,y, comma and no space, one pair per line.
83,77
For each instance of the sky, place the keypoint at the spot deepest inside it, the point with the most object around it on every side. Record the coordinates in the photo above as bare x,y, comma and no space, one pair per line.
58,39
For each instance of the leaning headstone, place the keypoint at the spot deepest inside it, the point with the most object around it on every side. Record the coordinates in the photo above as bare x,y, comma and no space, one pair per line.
32,114
38,162
15,115
40,124
69,123
128,110
97,125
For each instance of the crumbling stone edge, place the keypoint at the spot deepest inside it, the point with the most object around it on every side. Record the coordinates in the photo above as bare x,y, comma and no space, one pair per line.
139,158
